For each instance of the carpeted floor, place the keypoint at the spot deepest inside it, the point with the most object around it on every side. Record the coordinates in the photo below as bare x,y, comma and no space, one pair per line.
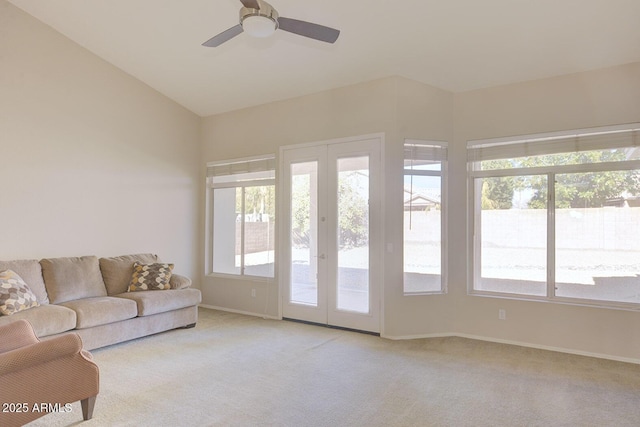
235,370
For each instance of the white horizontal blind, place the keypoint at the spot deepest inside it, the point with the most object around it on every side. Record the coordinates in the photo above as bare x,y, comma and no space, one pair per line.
422,150
594,140
243,166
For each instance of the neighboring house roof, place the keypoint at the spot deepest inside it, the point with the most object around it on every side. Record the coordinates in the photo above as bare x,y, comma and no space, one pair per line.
420,198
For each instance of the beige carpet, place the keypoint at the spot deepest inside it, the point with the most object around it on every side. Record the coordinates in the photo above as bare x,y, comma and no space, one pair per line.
234,370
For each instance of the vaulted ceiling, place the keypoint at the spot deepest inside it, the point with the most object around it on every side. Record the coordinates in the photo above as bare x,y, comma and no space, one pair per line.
456,45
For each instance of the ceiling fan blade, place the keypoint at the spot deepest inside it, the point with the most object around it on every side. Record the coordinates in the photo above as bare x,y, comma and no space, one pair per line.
224,36
252,4
308,29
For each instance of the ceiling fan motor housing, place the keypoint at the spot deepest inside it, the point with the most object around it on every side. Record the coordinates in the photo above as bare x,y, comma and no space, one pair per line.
266,11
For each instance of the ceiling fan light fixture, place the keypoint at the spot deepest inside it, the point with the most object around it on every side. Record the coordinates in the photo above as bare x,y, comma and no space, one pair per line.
259,19
259,26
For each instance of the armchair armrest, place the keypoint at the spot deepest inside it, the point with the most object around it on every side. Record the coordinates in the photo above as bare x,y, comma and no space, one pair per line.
179,282
15,335
39,352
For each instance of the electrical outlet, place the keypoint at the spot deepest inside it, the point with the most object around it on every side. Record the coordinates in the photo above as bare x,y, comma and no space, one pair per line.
253,293
502,314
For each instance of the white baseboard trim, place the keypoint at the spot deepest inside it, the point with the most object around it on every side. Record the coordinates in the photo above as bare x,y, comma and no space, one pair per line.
419,336
248,313
519,343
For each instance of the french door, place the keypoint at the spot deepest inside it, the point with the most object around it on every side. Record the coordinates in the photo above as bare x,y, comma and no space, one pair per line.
332,234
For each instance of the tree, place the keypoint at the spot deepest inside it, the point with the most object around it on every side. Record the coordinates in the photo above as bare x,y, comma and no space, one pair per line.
497,193
258,201
300,210
353,219
582,189
353,208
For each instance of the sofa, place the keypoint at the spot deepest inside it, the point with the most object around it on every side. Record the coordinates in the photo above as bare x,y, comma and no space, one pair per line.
103,300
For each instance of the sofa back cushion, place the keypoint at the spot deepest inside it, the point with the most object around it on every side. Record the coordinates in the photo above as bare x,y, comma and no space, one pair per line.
31,273
69,279
117,271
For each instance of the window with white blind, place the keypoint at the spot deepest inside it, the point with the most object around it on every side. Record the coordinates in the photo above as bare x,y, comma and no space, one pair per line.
557,216
423,248
241,217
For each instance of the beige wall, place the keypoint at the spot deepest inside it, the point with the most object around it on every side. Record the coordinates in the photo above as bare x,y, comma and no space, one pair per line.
598,98
93,161
402,108
397,107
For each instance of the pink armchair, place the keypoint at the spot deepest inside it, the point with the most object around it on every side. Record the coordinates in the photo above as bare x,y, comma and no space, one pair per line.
39,377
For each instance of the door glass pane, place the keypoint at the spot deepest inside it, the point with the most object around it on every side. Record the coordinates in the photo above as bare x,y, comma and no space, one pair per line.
513,233
304,233
227,227
353,234
598,236
259,228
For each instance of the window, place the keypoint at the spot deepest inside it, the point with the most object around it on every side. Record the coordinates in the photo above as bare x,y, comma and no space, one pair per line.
557,217
423,251
242,217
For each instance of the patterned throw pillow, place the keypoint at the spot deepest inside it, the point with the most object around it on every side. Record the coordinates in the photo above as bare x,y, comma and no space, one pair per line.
149,277
15,295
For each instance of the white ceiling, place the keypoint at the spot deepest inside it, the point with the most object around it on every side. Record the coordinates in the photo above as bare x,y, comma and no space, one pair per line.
456,45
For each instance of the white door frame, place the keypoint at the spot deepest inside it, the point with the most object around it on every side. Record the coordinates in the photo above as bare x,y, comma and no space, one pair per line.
377,229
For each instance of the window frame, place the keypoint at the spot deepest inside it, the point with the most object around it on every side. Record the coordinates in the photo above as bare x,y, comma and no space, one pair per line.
257,166
440,153
475,207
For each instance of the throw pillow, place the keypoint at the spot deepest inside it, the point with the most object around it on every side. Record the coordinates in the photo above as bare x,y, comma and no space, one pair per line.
15,295
149,277
117,271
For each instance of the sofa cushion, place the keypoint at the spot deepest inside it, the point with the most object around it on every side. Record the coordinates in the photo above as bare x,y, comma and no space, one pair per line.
68,279
152,302
31,272
46,320
15,294
150,277
117,271
101,310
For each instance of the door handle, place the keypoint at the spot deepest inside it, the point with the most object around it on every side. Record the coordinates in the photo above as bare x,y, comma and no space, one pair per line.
321,256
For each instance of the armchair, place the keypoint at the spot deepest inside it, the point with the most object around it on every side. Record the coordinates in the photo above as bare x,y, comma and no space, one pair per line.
39,377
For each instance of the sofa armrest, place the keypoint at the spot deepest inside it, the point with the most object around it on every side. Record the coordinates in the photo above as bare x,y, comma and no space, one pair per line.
15,335
39,352
179,282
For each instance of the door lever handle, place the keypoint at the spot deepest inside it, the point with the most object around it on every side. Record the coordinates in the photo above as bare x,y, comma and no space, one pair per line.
321,256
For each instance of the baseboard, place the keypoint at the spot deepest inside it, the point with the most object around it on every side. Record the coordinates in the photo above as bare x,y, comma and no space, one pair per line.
520,344
418,336
248,313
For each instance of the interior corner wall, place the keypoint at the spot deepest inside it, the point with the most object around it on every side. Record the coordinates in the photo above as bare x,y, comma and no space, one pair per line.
422,113
598,98
94,162
398,108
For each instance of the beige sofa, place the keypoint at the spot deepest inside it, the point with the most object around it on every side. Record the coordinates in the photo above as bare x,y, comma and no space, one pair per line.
89,296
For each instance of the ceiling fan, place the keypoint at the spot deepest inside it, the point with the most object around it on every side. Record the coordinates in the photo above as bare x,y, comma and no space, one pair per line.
259,19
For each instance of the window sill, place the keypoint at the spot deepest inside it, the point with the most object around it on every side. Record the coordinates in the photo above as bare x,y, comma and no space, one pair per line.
610,305
240,277
425,293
